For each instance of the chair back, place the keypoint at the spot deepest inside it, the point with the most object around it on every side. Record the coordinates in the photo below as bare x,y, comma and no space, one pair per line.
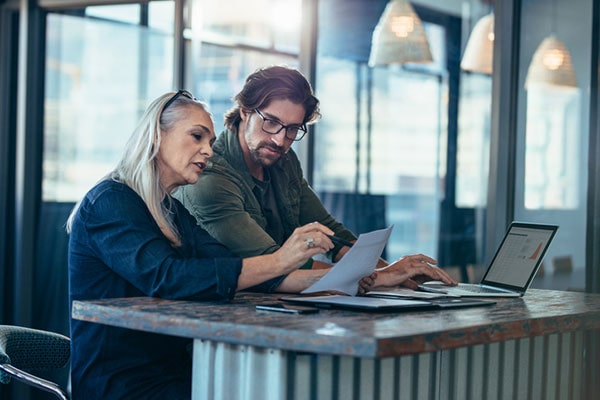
24,351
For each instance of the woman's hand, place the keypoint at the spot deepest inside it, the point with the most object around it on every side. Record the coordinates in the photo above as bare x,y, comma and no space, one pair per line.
304,243
410,271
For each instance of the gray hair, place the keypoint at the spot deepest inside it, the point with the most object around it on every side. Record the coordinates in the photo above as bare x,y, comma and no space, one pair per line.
138,167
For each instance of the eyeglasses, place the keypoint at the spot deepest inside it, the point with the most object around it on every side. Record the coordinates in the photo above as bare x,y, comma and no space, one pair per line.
184,93
272,127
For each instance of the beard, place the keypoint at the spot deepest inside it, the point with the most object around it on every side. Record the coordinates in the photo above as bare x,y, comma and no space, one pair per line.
267,159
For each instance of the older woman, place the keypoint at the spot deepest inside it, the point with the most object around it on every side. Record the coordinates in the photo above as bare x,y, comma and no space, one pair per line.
129,237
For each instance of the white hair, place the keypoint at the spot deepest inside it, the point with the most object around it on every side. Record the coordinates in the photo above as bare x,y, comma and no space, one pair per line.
138,166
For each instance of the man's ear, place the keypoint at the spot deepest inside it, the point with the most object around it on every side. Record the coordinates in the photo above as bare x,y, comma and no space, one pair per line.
244,113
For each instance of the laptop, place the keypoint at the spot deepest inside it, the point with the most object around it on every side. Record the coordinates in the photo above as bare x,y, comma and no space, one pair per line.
513,267
362,303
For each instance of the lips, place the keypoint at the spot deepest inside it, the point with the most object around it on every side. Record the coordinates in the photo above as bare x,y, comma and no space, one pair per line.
273,150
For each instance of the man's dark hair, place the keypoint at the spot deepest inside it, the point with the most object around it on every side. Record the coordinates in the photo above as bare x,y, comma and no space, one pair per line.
274,83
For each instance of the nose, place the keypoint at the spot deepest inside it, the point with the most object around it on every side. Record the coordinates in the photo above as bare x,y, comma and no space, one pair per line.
207,151
279,138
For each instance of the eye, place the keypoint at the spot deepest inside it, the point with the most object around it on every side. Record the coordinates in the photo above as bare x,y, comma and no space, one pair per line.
272,123
197,136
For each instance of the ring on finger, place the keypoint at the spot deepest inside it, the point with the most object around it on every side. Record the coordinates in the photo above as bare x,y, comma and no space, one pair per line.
310,242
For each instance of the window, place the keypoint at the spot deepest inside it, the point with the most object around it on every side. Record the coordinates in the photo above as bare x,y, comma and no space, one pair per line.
552,132
232,38
97,86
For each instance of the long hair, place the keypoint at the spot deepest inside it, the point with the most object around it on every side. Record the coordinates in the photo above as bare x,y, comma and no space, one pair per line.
274,83
138,166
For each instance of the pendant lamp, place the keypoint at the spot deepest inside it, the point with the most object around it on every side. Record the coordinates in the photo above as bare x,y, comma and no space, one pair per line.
551,65
479,52
399,37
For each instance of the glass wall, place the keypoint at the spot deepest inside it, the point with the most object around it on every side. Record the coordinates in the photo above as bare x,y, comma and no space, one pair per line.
227,46
102,69
553,125
103,66
392,147
473,142
405,145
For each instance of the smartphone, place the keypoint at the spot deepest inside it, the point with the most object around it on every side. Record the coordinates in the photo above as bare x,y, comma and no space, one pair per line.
287,308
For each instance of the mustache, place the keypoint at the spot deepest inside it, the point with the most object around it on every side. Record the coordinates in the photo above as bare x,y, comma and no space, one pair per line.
279,149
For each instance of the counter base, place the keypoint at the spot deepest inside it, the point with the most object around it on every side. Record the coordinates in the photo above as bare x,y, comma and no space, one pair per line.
548,367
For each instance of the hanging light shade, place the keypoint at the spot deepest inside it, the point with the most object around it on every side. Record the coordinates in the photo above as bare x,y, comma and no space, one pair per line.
551,65
399,37
479,52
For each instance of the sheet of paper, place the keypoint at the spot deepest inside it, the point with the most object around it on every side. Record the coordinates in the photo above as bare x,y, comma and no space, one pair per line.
358,262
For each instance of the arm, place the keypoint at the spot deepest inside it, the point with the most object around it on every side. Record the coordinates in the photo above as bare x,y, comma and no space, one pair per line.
228,213
287,259
126,239
219,204
259,269
299,280
115,237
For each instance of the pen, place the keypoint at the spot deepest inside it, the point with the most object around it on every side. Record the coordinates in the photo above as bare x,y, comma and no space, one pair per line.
337,240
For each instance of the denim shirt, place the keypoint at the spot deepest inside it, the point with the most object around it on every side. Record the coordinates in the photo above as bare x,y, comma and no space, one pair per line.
116,249
224,203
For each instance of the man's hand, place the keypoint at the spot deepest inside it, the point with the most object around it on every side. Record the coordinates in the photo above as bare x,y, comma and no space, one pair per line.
411,270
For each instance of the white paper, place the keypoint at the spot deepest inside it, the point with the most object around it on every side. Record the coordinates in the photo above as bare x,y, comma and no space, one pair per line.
357,263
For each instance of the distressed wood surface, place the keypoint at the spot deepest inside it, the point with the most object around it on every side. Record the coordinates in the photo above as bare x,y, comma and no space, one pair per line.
352,333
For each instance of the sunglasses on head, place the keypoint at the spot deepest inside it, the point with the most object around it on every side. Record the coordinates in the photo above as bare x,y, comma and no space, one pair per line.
180,92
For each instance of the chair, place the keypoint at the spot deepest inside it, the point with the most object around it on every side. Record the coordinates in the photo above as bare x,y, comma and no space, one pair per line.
25,349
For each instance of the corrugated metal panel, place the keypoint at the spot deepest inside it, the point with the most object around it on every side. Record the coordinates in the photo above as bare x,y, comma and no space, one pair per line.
548,367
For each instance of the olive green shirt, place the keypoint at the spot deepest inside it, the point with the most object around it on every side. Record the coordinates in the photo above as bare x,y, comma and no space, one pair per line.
224,203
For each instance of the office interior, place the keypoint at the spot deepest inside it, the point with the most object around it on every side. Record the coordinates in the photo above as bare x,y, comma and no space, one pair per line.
447,153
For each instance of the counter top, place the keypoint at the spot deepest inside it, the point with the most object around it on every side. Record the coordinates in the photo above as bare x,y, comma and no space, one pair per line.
351,333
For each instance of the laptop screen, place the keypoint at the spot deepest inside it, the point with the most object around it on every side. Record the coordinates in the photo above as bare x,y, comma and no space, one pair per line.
519,256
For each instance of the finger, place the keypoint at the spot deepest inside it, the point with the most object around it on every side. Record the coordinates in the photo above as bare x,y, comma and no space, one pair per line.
318,227
439,274
309,242
315,239
366,282
409,283
315,248
444,276
422,258
362,288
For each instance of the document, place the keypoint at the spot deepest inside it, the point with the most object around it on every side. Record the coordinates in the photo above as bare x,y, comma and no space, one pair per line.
358,262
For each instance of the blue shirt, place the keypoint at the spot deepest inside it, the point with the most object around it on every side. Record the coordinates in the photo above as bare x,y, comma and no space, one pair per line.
116,249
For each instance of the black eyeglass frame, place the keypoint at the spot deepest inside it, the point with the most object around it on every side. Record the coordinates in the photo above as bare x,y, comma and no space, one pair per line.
300,129
180,92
